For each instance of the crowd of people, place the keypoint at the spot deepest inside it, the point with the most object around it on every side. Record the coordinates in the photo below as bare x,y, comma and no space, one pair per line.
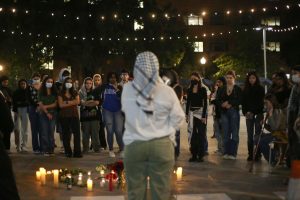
145,111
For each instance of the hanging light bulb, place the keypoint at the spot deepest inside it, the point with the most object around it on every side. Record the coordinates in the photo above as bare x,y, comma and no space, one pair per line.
26,11
13,10
240,11
153,16
264,9
203,13
287,6
252,10
1,9
52,14
228,12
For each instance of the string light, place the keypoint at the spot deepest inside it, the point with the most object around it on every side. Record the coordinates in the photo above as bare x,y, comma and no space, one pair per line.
287,6
240,11
1,9
252,10
203,13
13,10
228,12
264,9
153,16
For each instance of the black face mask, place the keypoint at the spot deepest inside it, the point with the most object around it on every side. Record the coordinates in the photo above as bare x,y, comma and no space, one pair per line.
194,82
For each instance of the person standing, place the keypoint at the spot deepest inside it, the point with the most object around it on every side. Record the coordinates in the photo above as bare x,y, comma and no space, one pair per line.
7,180
124,77
7,94
68,100
113,118
196,112
20,109
97,80
33,90
293,116
152,115
229,99
89,116
216,112
47,115
252,107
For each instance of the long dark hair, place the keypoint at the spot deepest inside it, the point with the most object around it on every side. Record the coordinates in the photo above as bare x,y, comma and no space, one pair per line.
282,75
43,90
247,83
72,91
199,82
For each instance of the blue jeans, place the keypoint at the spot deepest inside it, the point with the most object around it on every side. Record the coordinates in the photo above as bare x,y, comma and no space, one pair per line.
253,129
35,129
114,122
47,133
264,148
218,133
231,125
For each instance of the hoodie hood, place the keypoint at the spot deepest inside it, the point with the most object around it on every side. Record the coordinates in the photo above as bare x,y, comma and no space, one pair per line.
60,77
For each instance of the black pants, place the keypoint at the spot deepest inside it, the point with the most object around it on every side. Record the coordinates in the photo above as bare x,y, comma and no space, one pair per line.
6,140
71,125
198,138
7,181
102,137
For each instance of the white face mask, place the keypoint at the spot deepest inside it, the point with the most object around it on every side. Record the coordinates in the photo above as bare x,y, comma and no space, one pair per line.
68,85
49,85
295,78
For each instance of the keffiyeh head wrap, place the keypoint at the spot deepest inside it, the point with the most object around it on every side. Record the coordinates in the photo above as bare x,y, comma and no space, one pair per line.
146,77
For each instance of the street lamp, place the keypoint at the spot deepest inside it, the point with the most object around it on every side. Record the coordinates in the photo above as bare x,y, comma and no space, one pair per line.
1,68
203,61
265,29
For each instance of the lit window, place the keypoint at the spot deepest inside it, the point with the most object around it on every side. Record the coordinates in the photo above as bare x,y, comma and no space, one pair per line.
138,26
273,46
198,46
141,4
194,20
66,1
48,65
271,21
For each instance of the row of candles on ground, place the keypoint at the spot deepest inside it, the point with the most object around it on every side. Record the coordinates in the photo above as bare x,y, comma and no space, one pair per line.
41,176
42,173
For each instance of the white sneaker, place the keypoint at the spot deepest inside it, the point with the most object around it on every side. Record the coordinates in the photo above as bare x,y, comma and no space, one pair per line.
226,157
231,157
24,149
121,154
112,154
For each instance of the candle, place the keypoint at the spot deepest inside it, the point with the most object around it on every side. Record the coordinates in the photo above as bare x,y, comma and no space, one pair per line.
79,182
55,177
102,182
69,181
38,175
49,172
102,173
89,185
148,182
179,173
43,176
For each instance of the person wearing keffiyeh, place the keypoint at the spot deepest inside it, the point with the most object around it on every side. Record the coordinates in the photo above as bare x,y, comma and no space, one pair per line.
152,116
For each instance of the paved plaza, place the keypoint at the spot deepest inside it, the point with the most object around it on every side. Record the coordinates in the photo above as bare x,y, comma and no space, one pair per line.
213,179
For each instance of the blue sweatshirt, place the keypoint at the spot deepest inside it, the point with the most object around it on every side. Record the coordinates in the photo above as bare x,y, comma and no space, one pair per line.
111,99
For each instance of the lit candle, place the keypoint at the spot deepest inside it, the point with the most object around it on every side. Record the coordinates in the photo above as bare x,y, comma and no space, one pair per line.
102,182
102,173
69,181
79,182
38,175
89,185
148,182
179,173
55,177
43,176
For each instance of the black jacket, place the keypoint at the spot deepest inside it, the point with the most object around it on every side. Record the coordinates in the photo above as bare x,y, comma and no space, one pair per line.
235,99
20,99
253,100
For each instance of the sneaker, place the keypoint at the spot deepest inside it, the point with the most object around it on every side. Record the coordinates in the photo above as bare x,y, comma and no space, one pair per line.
24,149
102,149
231,157
36,152
18,149
47,154
200,160
225,157
112,154
62,150
122,154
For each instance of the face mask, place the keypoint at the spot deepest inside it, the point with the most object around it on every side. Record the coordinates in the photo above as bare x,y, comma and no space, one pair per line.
295,78
68,85
194,82
49,85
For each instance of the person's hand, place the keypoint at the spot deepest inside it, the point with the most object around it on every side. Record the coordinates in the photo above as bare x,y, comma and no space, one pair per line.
50,117
224,104
228,106
187,119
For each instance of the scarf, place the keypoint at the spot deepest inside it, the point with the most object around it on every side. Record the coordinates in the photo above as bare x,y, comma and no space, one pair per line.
146,77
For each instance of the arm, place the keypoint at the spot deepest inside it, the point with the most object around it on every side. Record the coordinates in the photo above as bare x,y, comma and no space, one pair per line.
204,113
188,102
176,112
65,104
